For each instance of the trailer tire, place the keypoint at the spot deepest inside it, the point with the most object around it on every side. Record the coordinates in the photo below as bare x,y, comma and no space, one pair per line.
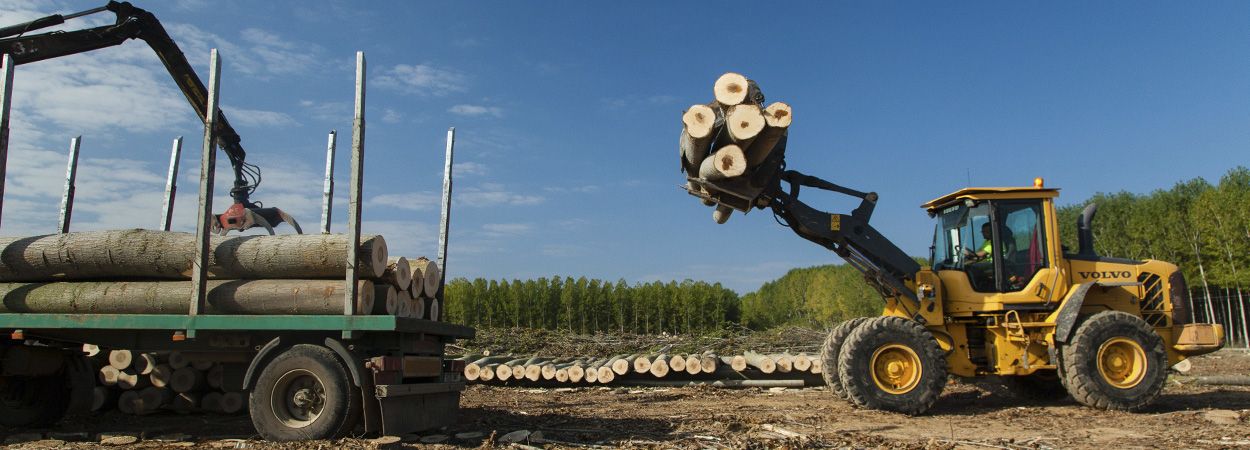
1115,361
31,402
304,393
829,355
892,364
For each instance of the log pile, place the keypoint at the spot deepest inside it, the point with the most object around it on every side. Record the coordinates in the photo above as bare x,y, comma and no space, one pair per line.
145,383
148,272
731,135
647,369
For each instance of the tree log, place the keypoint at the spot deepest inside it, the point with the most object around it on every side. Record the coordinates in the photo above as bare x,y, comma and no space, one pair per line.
700,125
761,362
707,362
103,398
659,367
145,363
732,89
642,364
151,399
432,310
173,297
785,363
384,294
398,273
474,369
487,372
562,375
177,360
127,400
186,379
802,362
818,366
694,365
779,115
403,307
620,364
717,383
215,377
129,380
161,374
211,402
427,271
737,362
185,402
136,253
109,375
728,161
201,364
677,363
743,123
119,359
606,375
232,402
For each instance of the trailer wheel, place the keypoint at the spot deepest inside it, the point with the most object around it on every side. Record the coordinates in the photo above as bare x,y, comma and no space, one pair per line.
27,402
892,364
1115,361
829,355
1041,385
304,393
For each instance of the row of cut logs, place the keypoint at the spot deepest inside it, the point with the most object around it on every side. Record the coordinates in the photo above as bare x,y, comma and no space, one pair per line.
732,134
630,369
145,383
147,272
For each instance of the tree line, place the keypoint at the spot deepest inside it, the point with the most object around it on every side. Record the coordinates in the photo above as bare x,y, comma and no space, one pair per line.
591,305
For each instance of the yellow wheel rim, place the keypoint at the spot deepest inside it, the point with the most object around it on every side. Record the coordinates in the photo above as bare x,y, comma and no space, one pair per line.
896,368
1122,362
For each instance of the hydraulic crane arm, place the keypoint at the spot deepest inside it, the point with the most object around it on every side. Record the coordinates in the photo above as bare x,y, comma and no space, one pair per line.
883,264
136,23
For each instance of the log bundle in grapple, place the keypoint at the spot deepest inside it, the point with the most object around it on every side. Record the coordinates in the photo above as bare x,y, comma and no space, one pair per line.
148,272
730,136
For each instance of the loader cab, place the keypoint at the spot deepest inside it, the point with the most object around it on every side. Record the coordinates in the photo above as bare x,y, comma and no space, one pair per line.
995,246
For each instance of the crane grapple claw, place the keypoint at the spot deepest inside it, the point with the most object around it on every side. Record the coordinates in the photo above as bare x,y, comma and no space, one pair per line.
240,217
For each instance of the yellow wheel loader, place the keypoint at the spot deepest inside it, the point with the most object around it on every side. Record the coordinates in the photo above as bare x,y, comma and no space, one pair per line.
1000,297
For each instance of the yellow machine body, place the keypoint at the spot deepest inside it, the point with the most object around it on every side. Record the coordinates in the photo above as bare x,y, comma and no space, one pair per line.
1012,324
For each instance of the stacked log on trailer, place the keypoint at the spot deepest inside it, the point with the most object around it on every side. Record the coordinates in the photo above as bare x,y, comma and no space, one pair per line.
148,272
731,135
145,383
647,369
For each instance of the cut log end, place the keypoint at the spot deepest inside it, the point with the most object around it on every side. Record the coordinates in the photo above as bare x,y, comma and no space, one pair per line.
744,122
778,115
729,161
700,121
733,88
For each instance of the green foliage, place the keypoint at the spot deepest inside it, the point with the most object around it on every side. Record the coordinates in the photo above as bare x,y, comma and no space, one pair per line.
811,296
592,306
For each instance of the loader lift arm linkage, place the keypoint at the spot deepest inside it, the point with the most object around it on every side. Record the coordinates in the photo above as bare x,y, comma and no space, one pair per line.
886,267
136,23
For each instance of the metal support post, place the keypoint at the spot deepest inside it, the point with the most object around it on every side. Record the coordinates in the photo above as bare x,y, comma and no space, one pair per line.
171,185
446,216
354,196
71,174
208,164
6,102
327,193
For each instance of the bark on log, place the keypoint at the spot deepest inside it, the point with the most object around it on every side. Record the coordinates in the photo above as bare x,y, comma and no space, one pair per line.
260,297
398,273
785,363
119,359
232,402
732,89
186,379
700,125
728,161
145,363
139,253
763,145
761,362
743,123
427,271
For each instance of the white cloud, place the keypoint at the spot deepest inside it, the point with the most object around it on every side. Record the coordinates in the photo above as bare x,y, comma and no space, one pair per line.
328,111
491,194
242,117
409,201
468,168
391,116
584,189
420,79
499,230
476,110
633,101
262,54
486,195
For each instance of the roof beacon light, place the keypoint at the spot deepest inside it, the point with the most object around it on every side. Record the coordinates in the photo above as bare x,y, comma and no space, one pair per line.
1037,182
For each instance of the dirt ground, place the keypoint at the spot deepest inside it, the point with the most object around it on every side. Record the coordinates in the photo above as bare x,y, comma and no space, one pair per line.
970,416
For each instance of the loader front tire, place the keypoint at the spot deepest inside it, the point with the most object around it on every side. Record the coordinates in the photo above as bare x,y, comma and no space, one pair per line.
829,355
1115,361
892,364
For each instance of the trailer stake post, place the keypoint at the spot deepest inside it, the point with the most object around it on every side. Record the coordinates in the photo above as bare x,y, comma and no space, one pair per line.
354,197
171,185
327,192
443,228
208,164
71,175
6,102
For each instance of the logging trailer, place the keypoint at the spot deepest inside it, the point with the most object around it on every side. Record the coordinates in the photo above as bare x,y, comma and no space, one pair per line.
306,376
999,297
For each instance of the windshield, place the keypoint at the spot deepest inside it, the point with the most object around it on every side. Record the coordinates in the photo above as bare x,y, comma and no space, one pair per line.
955,232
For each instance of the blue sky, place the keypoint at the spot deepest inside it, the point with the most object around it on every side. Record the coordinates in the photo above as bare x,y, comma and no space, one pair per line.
567,115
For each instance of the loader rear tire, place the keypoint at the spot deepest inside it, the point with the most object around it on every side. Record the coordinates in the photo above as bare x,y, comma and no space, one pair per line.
1115,361
304,393
829,355
892,364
